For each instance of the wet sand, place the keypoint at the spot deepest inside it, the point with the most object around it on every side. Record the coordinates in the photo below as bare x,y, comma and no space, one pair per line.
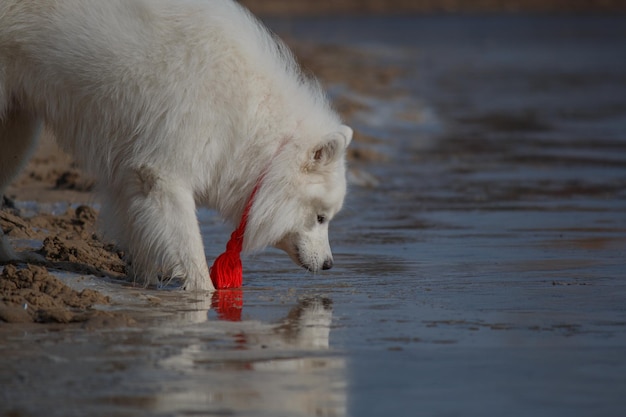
479,263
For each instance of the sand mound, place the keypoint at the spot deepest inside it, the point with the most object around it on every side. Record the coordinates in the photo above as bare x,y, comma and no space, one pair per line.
69,241
32,294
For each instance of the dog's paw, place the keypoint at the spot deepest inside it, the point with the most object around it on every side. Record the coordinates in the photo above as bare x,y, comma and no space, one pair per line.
198,285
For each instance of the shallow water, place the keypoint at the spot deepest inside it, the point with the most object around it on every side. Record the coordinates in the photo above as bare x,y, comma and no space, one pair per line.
485,275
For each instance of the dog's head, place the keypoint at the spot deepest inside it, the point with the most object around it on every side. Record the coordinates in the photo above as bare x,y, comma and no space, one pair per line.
298,204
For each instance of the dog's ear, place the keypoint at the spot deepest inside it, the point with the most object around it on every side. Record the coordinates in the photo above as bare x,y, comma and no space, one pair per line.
330,149
346,132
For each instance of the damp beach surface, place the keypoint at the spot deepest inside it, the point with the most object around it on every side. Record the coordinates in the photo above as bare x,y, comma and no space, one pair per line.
480,259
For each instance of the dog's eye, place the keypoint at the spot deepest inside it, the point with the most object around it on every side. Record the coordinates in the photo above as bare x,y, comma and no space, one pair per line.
321,219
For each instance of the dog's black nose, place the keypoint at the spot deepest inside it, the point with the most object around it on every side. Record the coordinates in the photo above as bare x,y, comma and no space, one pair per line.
328,263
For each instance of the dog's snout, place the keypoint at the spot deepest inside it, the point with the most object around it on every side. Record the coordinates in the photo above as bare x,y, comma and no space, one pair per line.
328,263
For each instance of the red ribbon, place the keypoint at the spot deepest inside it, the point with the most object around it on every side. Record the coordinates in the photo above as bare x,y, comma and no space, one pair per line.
227,271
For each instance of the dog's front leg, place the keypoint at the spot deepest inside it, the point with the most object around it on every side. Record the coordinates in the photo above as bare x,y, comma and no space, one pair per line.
161,230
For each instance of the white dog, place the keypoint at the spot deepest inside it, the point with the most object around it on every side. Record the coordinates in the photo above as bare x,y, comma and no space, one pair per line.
170,104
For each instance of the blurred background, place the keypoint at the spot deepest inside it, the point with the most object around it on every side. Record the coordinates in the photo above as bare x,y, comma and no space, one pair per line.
297,7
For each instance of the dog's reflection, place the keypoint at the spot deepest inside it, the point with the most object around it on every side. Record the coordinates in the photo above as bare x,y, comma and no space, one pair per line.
284,368
308,323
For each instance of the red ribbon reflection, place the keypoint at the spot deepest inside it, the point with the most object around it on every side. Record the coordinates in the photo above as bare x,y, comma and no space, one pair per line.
228,303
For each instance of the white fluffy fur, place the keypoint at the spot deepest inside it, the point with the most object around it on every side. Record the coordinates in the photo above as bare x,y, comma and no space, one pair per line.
170,104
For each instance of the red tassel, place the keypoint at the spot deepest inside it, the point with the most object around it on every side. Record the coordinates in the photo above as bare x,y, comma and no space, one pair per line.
227,271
